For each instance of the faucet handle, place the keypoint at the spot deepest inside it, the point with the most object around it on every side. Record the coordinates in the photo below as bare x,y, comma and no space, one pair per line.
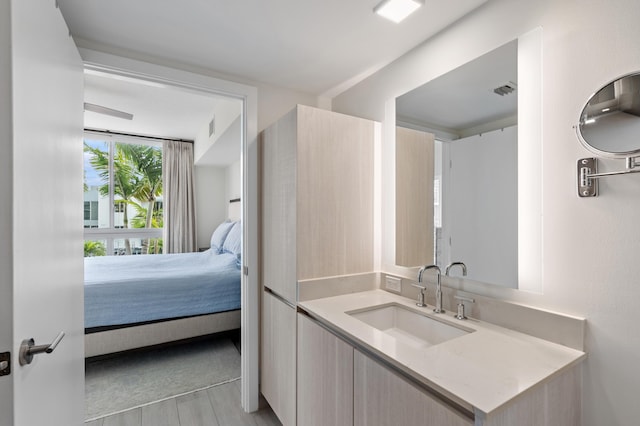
420,302
460,314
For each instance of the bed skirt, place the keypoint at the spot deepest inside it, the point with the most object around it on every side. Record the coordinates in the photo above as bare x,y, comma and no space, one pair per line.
139,336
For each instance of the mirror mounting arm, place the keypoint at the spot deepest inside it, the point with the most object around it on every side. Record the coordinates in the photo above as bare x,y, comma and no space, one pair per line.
632,162
588,174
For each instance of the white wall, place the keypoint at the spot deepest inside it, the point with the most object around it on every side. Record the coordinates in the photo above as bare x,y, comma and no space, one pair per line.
223,119
233,180
482,206
215,186
211,203
273,101
590,246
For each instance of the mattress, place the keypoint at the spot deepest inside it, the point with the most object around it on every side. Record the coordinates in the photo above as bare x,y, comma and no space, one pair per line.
122,290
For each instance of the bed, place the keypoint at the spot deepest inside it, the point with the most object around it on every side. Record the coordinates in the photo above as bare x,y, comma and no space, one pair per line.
143,300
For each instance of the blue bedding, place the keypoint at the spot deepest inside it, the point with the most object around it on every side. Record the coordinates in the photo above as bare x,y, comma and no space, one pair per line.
121,290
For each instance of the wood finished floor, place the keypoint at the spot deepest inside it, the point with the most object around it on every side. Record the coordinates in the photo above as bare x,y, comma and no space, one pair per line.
219,405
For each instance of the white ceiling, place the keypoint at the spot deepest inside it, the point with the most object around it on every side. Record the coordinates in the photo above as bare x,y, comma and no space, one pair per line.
164,111
463,98
319,47
158,110
314,46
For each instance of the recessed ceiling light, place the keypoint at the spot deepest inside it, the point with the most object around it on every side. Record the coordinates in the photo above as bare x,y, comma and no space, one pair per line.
397,10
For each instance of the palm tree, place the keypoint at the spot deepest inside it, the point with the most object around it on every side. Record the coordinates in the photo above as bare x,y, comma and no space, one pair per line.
94,248
140,219
147,162
125,179
151,245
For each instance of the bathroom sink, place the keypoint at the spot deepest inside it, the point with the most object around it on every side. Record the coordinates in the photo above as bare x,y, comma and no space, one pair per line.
413,328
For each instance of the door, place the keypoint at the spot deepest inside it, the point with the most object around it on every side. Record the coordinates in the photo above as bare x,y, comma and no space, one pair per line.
325,376
41,291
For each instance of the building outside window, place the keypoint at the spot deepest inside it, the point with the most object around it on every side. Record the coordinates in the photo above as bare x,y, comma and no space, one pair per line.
90,211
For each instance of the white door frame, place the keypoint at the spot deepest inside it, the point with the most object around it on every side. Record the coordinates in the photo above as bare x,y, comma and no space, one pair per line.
118,65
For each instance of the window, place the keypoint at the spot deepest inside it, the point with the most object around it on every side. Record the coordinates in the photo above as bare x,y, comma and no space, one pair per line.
90,214
122,196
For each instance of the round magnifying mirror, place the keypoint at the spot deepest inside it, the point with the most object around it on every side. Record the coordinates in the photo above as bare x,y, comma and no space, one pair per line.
610,121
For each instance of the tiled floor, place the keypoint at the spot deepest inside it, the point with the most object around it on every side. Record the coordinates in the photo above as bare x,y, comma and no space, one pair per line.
218,405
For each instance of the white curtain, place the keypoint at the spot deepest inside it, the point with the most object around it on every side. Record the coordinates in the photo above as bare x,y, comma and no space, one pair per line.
179,203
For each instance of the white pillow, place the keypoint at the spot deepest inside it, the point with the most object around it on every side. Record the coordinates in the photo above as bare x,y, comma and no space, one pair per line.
233,242
220,234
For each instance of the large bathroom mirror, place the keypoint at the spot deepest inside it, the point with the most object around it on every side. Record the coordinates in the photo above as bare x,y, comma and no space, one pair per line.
610,121
459,168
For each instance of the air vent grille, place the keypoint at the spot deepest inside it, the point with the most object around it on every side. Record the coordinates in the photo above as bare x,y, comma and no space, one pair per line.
212,126
505,89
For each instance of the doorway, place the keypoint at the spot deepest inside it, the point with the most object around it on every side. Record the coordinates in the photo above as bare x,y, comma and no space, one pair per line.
246,170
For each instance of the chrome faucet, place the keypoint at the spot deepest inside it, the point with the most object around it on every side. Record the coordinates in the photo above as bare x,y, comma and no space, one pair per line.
451,265
438,309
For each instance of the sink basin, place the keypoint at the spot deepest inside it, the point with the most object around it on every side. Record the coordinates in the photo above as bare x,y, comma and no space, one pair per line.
404,324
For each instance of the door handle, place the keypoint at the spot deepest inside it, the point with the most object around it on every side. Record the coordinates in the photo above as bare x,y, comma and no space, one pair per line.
28,349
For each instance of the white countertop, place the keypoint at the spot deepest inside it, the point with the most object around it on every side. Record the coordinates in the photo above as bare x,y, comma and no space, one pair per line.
481,370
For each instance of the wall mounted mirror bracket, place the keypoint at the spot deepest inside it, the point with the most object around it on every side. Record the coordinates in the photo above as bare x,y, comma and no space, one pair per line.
588,174
609,127
587,186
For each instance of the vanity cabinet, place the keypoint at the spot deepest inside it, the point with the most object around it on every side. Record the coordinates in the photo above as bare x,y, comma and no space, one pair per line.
325,376
339,382
339,385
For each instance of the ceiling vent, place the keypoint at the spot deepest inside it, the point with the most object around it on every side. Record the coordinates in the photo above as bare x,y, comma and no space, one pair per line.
212,126
505,89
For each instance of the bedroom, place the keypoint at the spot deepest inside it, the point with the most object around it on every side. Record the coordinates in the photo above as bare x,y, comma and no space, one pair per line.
117,318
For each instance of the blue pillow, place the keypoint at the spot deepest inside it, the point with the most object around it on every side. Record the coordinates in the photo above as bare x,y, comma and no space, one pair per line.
220,234
233,242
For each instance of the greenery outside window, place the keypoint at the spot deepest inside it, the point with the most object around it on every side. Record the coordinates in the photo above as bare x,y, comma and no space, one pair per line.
122,195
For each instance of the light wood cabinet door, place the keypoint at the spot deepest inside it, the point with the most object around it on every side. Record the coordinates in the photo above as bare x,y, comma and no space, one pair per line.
334,194
325,376
316,198
278,370
279,182
414,197
382,397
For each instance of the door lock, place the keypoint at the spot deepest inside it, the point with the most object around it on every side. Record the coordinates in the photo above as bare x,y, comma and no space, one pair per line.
5,363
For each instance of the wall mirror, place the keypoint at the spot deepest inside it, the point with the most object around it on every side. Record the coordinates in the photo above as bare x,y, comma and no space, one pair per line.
609,126
610,121
459,169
